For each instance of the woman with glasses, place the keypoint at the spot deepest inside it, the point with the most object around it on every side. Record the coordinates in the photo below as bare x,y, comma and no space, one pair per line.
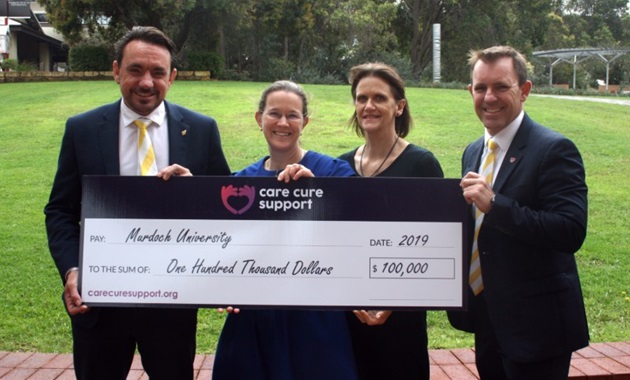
286,344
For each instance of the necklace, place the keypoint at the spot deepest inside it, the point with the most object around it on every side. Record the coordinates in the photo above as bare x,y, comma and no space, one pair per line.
382,163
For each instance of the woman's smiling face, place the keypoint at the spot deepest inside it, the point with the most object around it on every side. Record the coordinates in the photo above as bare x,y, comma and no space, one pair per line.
375,104
282,120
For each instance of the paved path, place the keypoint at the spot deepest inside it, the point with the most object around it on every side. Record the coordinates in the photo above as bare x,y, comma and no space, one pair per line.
603,99
598,361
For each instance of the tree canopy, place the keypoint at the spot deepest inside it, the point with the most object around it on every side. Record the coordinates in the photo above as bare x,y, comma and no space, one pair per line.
319,40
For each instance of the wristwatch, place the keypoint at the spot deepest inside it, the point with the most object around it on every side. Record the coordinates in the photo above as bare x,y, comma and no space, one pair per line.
73,269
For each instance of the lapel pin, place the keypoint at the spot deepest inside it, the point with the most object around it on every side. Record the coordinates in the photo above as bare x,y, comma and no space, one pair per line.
184,132
512,160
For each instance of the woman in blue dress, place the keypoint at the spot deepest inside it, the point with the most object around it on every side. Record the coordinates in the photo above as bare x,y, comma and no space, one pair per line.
286,344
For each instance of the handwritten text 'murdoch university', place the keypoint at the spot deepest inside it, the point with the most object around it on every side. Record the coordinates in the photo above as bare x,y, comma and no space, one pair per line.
184,236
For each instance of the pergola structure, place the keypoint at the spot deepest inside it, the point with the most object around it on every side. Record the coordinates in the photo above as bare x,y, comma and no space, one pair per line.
575,56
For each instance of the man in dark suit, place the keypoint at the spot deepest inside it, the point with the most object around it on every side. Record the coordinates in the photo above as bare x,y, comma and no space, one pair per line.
104,141
526,309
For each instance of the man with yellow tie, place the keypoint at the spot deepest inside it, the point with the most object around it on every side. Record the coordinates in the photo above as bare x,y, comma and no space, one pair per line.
141,134
528,196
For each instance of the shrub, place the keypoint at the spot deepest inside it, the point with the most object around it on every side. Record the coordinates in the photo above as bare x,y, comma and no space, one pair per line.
235,75
27,66
90,58
10,64
276,69
313,76
13,65
206,61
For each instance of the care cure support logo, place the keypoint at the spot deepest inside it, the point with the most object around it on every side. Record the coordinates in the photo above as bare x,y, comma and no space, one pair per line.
229,192
238,200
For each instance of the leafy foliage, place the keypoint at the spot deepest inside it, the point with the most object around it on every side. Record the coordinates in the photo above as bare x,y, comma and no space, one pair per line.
322,39
90,58
10,64
207,61
13,65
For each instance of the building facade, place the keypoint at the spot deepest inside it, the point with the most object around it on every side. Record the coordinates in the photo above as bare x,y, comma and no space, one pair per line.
28,38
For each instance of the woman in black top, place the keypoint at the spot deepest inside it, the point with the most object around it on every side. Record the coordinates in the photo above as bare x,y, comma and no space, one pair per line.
387,345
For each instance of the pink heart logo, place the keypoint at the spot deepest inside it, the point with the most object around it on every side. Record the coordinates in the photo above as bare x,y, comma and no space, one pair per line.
228,192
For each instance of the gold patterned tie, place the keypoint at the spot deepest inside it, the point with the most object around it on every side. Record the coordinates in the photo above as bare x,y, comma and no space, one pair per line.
474,279
146,155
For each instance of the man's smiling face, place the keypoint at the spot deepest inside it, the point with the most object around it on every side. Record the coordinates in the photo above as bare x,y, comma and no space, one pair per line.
497,96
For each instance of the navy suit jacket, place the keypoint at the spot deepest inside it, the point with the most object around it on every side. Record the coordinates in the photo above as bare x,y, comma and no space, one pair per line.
527,243
90,147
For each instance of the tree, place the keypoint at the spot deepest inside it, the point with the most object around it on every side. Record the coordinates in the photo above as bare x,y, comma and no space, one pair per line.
78,20
531,23
318,40
424,13
370,27
471,24
600,13
558,34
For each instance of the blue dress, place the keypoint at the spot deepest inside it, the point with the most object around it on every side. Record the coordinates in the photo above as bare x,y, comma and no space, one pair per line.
287,344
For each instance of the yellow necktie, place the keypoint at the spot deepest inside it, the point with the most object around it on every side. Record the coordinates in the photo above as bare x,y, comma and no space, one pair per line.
474,280
146,155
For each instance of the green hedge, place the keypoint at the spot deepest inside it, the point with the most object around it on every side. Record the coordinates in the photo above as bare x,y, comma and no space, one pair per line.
205,61
90,58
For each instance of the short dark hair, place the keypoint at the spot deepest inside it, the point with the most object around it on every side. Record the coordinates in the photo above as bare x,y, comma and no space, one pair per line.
404,123
494,53
148,34
284,85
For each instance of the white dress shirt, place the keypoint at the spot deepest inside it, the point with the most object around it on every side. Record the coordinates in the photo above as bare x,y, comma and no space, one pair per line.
128,138
503,139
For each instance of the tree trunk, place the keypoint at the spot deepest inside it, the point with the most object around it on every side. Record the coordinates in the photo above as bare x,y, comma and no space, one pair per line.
421,42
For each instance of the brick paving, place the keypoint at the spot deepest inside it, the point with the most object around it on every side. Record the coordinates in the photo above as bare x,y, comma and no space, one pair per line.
599,361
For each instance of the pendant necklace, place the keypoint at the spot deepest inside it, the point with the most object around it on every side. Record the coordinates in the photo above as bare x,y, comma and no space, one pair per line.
382,163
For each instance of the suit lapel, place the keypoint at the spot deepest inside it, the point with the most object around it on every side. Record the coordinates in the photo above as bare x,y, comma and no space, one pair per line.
473,157
514,155
108,139
177,135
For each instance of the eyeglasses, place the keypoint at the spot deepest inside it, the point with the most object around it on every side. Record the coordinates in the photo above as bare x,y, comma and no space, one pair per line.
276,115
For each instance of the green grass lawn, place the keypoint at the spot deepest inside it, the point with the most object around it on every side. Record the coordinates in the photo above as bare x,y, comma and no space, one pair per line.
32,118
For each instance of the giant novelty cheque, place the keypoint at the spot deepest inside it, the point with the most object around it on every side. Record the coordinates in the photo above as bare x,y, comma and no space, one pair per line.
331,243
